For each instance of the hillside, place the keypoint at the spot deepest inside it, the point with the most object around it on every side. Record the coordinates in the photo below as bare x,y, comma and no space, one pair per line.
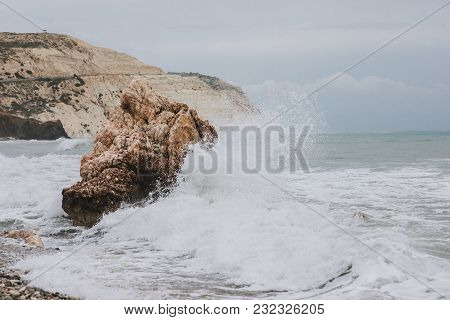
50,77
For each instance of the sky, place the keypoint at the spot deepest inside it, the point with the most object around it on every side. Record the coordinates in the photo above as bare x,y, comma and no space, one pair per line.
290,45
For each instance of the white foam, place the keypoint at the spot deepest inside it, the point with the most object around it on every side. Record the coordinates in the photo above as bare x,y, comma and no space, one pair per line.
215,232
67,144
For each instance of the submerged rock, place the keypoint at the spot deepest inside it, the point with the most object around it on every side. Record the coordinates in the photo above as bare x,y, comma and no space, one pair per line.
30,237
140,151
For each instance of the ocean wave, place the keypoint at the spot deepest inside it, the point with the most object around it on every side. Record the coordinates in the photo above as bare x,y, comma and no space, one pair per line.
67,144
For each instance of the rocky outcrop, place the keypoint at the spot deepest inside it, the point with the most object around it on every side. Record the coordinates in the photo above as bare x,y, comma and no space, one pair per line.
140,151
50,77
19,128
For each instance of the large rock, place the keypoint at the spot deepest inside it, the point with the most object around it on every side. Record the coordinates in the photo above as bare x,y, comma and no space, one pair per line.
140,151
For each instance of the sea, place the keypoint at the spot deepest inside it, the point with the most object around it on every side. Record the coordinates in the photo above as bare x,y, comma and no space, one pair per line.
369,219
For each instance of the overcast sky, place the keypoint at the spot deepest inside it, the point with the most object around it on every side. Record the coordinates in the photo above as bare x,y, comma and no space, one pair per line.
289,45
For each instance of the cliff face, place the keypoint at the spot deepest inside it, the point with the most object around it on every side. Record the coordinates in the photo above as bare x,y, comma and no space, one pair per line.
30,129
50,77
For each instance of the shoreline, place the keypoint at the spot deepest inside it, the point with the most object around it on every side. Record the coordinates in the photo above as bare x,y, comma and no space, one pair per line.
12,284
13,287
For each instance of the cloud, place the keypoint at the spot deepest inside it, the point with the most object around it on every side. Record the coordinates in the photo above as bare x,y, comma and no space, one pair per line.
252,41
368,104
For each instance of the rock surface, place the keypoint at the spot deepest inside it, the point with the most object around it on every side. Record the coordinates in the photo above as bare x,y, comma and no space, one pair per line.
49,77
140,151
12,287
30,237
27,129
12,281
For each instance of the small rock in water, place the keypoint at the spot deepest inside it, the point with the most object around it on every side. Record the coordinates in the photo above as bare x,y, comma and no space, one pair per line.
14,293
30,237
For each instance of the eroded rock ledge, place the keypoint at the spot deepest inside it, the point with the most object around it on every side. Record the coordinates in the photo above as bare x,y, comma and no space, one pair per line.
140,151
20,128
